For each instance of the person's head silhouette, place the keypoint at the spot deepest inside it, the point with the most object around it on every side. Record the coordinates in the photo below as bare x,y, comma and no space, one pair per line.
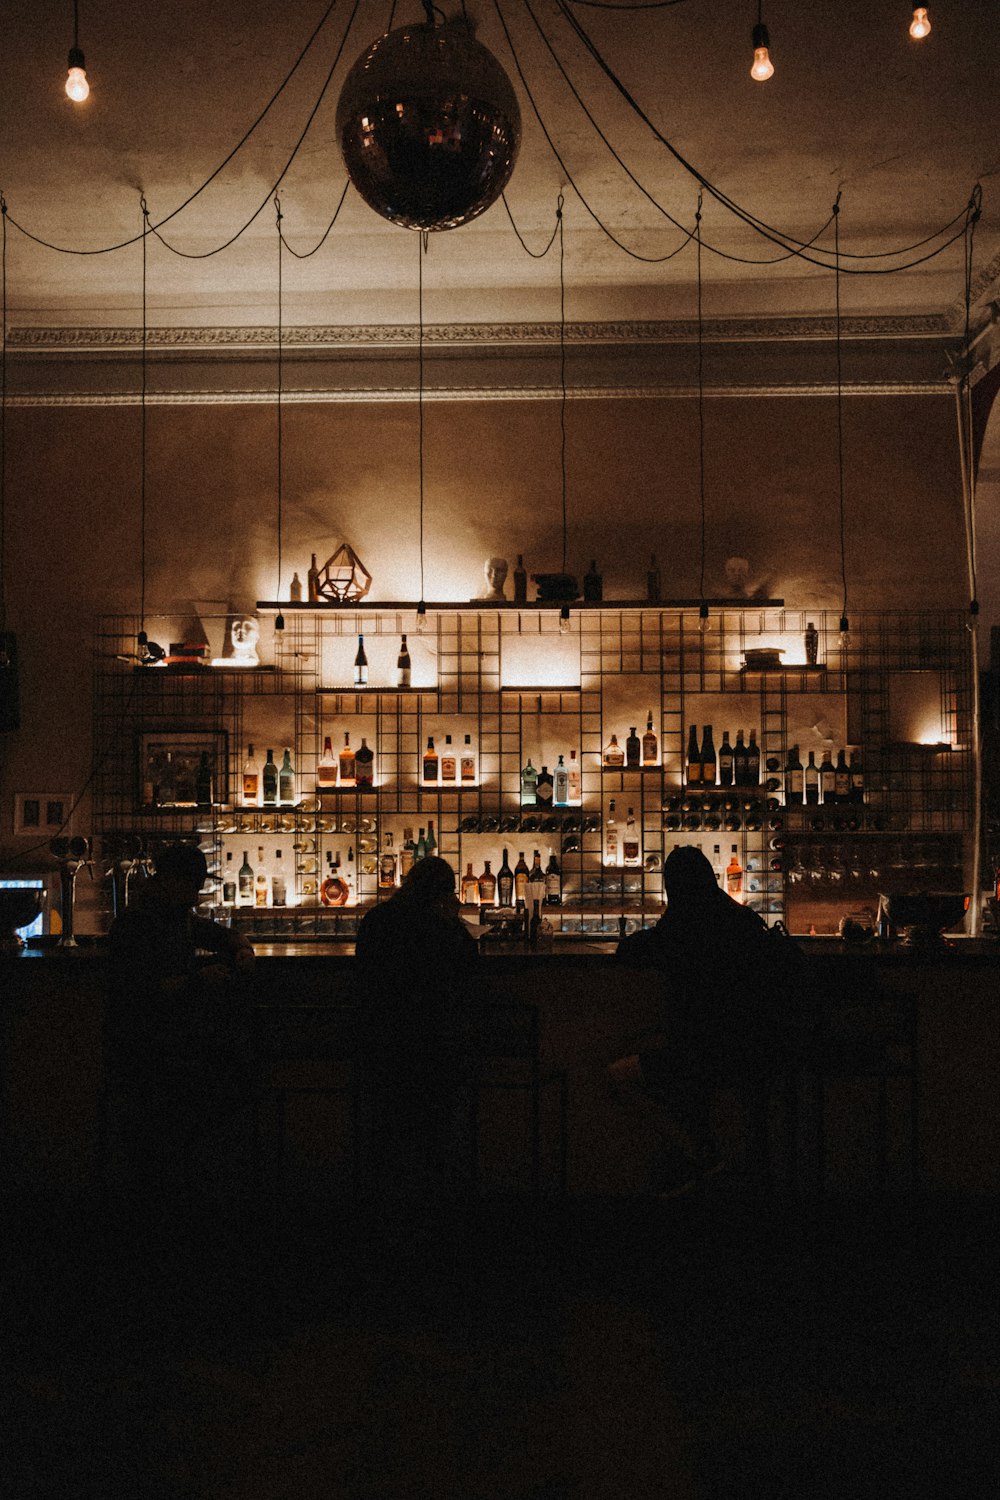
431,883
688,876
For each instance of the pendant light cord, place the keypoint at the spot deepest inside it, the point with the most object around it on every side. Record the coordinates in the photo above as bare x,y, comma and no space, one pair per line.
280,385
142,430
3,424
701,407
423,240
76,25
840,410
562,369
966,386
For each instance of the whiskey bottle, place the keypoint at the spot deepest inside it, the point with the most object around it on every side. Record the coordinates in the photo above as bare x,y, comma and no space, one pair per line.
575,791
467,763
611,836
448,763
278,888
827,778
544,788
560,784
630,842
251,779
430,765
522,877
740,761
693,768
387,866
810,780
708,763
469,891
245,880
520,581
361,665
725,760
842,778
403,670
593,584
348,764
753,760
269,780
430,842
633,750
553,882
487,885
649,744
286,781
793,778
326,768
407,854
203,782
529,785
505,883
260,883
734,877
614,755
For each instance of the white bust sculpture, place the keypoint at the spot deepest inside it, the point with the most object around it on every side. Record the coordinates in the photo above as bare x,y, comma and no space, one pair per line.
244,634
495,570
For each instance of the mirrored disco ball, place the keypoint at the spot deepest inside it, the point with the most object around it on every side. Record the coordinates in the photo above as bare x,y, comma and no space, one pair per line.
429,126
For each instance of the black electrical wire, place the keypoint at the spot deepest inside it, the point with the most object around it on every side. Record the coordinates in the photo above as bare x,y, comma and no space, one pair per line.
970,236
535,254
562,367
280,382
121,245
629,4
305,254
142,429
3,424
701,408
423,240
840,410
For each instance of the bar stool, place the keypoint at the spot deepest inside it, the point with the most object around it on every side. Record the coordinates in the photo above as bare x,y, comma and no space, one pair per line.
506,1043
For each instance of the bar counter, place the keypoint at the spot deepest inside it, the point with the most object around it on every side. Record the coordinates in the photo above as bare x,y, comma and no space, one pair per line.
591,1011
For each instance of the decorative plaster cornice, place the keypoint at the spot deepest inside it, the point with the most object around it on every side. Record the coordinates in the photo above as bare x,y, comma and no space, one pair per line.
323,337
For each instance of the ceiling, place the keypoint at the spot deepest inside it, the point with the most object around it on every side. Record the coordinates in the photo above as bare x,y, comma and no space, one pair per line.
903,129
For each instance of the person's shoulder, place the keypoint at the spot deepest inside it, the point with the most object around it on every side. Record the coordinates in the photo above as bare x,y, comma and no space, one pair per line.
640,948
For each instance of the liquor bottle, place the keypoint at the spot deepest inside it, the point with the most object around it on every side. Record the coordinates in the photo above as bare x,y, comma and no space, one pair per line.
649,744
333,891
203,782
653,580
312,581
487,885
717,866
672,821
269,780
633,749
693,769
544,788
467,763
278,888
611,836
260,883
810,780
361,665
614,755
430,842
536,879
420,852
228,881
448,763
387,866
630,842
407,854
560,784
286,781
842,778
470,887
295,589
793,778
529,785
251,779
245,880
521,878
348,764
857,792
707,757
593,584
827,778
430,766
349,878
520,581
403,669
753,760
740,768
734,877
326,767
725,760
553,882
811,644
505,883
575,786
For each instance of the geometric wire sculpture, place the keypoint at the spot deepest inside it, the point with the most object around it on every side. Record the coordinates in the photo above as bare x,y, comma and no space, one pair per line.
343,576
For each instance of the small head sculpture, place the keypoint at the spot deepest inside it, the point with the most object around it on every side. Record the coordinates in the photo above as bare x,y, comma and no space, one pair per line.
244,634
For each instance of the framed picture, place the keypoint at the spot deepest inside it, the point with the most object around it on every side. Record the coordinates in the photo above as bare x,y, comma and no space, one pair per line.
180,768
41,813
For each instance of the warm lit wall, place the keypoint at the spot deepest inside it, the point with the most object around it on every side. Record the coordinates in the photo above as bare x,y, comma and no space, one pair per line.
492,486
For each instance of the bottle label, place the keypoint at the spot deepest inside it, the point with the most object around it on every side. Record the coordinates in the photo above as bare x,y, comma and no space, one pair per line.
553,888
468,768
447,768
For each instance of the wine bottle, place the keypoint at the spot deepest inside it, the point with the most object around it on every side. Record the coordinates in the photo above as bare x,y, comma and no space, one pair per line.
693,769
522,876
245,880
753,760
407,854
857,773
348,764
842,778
361,665
536,878
740,759
420,852
505,883
286,781
649,743
708,763
269,779
553,882
827,778
793,778
725,760
633,749
326,767
403,669
810,780
312,581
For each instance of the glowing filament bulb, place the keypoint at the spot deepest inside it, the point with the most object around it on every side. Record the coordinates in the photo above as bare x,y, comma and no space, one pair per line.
920,25
564,621
763,67
77,87
845,633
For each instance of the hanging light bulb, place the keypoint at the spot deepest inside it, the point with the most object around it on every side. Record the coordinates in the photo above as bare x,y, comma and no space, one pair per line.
763,67
920,25
845,633
77,87
422,618
703,624
564,622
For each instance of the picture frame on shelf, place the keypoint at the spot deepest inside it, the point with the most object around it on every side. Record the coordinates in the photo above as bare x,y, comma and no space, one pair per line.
40,814
169,763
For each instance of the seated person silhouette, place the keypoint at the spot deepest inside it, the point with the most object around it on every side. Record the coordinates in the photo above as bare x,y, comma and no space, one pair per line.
178,1052
727,996
416,963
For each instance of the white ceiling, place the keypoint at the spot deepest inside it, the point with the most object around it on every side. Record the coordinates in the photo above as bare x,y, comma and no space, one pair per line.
904,129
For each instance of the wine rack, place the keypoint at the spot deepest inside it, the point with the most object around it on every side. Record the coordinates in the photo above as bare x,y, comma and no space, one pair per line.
520,685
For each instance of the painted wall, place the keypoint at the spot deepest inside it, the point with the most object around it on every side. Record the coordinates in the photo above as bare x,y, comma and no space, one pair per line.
492,485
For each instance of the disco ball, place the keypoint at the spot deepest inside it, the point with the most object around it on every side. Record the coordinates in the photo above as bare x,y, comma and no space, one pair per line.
429,127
